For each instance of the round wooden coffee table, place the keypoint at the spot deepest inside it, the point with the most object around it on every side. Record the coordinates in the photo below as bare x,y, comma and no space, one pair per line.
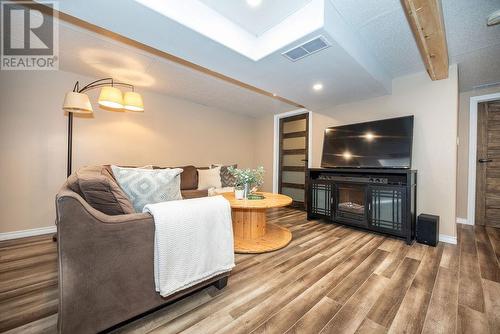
252,234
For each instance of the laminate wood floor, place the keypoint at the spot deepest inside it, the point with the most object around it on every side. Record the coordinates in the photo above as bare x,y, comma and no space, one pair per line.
330,279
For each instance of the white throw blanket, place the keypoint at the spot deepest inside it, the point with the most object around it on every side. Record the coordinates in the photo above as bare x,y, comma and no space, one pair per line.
193,242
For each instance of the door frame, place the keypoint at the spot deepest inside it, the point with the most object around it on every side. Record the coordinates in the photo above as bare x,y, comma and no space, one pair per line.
471,183
276,143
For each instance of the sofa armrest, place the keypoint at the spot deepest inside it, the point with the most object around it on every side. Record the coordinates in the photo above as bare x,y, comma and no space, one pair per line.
106,270
102,217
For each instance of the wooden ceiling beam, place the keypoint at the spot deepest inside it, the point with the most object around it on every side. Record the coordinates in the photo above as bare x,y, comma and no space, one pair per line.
426,22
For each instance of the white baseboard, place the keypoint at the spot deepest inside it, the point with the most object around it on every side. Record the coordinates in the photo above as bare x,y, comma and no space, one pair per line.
448,239
463,221
27,233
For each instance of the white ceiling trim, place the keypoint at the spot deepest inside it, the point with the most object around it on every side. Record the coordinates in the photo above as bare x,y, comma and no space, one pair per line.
204,20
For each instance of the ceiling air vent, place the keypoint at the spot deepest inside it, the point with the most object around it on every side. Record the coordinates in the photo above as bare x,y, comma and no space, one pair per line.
314,45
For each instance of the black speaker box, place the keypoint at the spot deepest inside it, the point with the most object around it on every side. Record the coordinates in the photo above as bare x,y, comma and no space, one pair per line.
428,229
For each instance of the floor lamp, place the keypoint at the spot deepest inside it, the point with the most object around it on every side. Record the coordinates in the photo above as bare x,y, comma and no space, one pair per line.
110,98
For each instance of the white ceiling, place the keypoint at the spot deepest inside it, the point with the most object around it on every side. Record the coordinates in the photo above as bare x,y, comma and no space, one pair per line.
347,69
382,25
256,20
371,44
471,44
96,56
202,19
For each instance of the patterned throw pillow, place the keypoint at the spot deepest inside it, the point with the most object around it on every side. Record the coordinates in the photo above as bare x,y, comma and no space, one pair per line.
148,186
227,179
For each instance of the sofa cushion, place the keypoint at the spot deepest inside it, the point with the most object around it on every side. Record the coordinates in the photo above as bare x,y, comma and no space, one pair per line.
100,190
189,178
144,186
187,194
227,179
72,183
219,191
209,178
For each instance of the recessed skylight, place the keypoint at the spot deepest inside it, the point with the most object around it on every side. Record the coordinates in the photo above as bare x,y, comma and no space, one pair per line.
209,22
318,86
254,3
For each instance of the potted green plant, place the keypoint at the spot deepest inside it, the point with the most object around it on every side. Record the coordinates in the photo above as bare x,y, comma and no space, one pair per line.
246,180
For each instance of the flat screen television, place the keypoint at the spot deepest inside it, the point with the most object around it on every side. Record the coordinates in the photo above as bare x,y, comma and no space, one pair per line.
379,144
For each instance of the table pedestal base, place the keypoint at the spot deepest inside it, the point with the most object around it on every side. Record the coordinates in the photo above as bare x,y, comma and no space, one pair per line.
252,234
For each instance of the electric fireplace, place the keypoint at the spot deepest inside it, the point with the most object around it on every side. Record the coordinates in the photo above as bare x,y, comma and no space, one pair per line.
380,200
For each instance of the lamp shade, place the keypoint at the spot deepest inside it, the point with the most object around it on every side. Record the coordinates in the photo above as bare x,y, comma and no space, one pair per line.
133,101
111,97
77,103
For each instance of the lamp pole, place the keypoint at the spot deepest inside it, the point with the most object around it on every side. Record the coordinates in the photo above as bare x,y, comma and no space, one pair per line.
70,143
76,89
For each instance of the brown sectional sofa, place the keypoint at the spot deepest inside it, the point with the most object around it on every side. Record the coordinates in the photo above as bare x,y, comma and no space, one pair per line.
106,271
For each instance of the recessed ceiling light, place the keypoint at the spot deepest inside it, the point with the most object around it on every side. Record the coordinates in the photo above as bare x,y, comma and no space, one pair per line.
318,86
254,3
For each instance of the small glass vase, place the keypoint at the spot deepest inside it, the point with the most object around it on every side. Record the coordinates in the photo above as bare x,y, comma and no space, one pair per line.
246,190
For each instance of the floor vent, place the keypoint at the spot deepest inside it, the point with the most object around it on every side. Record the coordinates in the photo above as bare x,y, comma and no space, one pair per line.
314,45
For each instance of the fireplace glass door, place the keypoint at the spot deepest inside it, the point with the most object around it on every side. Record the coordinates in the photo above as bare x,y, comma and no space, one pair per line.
321,198
387,209
351,203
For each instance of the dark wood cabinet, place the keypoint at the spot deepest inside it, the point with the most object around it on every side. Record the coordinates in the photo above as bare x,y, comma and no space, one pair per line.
380,200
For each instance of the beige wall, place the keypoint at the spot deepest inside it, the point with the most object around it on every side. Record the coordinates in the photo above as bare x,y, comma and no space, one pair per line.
176,132
33,140
435,106
264,142
463,147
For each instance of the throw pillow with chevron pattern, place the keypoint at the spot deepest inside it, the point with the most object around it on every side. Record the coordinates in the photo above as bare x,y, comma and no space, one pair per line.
227,179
